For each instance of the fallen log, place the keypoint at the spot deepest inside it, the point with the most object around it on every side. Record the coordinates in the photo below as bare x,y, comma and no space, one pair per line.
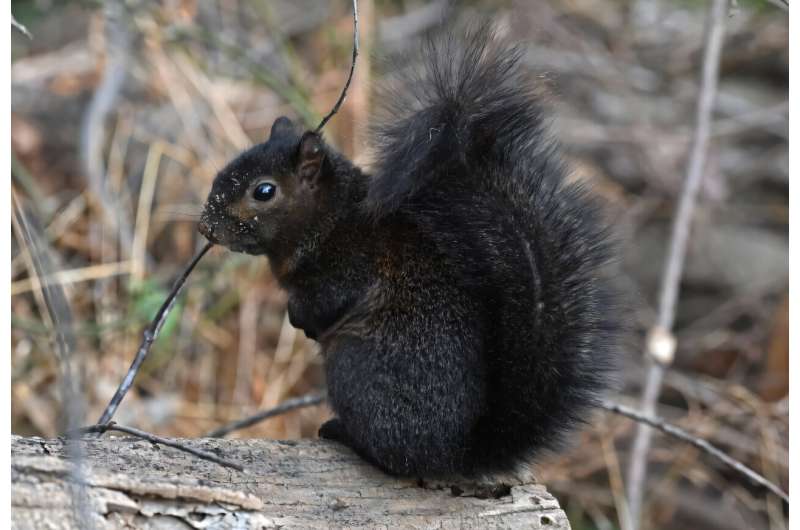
132,483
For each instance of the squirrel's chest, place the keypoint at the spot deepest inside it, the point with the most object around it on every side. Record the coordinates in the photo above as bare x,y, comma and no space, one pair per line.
352,261
317,300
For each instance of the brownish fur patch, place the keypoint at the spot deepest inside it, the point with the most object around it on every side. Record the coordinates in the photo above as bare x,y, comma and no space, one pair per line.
241,210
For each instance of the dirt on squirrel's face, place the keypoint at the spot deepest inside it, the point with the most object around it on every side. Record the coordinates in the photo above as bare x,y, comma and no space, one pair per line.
262,200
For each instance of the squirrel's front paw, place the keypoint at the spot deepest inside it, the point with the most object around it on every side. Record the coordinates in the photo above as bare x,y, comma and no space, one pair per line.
333,430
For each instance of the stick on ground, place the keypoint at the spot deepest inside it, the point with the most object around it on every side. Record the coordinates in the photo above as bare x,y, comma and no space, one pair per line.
101,428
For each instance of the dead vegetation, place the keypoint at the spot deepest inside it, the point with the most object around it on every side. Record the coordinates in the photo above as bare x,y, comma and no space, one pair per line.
121,116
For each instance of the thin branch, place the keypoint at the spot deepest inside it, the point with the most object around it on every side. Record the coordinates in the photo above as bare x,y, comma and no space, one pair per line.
343,95
703,445
101,428
150,335
60,315
20,27
697,161
781,4
637,472
93,126
287,406
658,423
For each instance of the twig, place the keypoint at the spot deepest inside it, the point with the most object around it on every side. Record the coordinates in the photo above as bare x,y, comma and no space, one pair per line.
637,472
60,316
150,335
101,428
288,405
69,276
141,228
615,480
782,4
93,126
20,27
22,176
677,432
343,95
55,301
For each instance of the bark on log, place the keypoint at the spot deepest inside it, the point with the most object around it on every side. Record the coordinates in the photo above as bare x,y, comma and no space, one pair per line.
131,483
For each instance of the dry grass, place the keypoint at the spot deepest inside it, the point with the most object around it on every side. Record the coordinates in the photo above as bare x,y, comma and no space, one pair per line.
207,79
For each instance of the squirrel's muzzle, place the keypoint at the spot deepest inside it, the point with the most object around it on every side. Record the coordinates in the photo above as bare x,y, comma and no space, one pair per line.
208,232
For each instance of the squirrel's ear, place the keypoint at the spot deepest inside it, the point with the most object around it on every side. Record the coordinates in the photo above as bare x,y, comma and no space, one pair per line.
282,126
310,156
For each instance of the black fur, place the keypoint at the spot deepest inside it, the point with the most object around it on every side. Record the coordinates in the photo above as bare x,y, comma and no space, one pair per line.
458,292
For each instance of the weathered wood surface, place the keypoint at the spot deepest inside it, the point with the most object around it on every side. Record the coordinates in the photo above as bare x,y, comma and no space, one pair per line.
130,483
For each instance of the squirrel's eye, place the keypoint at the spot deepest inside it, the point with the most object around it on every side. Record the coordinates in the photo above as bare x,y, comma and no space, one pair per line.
264,191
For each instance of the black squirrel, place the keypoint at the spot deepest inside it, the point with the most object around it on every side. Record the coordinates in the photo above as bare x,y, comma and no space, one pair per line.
457,291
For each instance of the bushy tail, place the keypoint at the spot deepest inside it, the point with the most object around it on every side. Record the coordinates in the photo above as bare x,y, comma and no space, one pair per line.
471,106
463,151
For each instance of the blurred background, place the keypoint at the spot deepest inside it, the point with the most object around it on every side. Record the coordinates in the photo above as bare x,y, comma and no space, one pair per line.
123,111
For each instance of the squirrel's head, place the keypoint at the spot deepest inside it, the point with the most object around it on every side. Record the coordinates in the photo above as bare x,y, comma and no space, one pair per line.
264,201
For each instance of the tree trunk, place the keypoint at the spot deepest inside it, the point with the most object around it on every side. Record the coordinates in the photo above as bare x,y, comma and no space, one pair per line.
131,483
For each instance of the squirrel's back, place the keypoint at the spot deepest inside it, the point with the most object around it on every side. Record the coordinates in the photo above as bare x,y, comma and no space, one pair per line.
464,153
